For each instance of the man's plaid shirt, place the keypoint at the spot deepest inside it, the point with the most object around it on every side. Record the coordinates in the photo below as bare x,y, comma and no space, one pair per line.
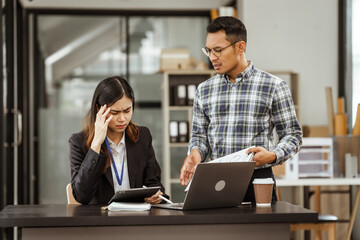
229,117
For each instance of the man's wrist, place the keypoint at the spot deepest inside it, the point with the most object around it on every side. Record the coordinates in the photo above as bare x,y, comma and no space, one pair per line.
196,154
273,157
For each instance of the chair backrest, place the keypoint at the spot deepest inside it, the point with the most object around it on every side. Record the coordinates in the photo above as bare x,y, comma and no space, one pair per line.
69,195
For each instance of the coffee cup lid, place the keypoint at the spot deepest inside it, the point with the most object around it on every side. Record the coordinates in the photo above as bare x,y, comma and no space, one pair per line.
263,181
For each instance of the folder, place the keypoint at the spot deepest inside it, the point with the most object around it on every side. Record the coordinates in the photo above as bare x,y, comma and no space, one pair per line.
180,95
183,131
191,89
174,132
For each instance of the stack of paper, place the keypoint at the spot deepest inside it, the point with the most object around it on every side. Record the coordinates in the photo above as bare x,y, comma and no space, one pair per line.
125,206
240,156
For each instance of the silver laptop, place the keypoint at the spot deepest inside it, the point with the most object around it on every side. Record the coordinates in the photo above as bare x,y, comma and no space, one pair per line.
216,185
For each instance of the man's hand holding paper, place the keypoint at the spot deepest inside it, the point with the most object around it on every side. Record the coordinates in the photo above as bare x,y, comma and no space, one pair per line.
261,155
240,156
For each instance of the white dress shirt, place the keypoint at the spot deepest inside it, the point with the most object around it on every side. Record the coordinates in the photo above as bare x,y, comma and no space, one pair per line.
119,155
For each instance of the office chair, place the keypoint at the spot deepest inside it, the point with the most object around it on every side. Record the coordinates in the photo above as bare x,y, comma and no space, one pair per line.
69,195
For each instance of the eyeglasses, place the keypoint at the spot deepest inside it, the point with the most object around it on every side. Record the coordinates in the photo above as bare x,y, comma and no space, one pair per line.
216,51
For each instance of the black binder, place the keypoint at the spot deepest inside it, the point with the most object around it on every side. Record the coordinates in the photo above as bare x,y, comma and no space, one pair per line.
180,95
191,89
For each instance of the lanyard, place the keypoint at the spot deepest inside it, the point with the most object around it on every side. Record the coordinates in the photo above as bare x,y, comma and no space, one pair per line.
119,180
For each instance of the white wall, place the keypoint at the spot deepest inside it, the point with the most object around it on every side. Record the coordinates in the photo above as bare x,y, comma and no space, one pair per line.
301,36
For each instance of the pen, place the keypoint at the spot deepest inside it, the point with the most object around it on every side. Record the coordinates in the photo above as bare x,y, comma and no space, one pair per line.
165,199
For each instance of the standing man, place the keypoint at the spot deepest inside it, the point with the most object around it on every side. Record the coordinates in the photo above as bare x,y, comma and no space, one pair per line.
240,107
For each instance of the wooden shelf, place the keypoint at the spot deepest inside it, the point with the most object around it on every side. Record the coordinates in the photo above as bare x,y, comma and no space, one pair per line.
175,180
180,108
179,144
176,113
317,162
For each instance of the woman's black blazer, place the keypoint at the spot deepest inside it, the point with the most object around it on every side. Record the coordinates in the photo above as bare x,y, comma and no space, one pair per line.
91,185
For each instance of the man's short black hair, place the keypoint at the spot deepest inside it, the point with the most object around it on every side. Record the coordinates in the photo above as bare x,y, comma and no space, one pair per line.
234,29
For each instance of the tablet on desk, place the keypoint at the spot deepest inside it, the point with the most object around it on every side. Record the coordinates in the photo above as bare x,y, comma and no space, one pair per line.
134,194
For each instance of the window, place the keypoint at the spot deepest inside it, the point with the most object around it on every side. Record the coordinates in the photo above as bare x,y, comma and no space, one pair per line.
355,57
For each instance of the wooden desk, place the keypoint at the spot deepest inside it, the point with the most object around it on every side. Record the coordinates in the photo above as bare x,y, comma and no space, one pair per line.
281,182
77,221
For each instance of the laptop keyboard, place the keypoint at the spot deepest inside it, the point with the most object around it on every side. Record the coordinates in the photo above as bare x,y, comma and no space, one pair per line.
178,204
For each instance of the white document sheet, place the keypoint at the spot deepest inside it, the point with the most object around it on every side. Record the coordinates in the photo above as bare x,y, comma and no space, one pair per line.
239,156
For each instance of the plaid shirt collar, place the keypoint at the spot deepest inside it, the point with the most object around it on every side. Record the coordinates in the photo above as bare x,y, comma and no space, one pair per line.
243,75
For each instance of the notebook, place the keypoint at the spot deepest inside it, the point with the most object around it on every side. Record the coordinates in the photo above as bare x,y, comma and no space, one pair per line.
216,185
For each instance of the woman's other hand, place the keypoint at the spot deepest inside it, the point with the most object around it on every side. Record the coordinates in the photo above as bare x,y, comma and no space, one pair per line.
101,126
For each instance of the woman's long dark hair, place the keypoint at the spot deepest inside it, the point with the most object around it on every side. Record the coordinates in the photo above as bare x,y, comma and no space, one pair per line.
108,91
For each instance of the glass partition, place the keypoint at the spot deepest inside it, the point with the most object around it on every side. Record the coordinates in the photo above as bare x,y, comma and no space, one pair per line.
80,51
